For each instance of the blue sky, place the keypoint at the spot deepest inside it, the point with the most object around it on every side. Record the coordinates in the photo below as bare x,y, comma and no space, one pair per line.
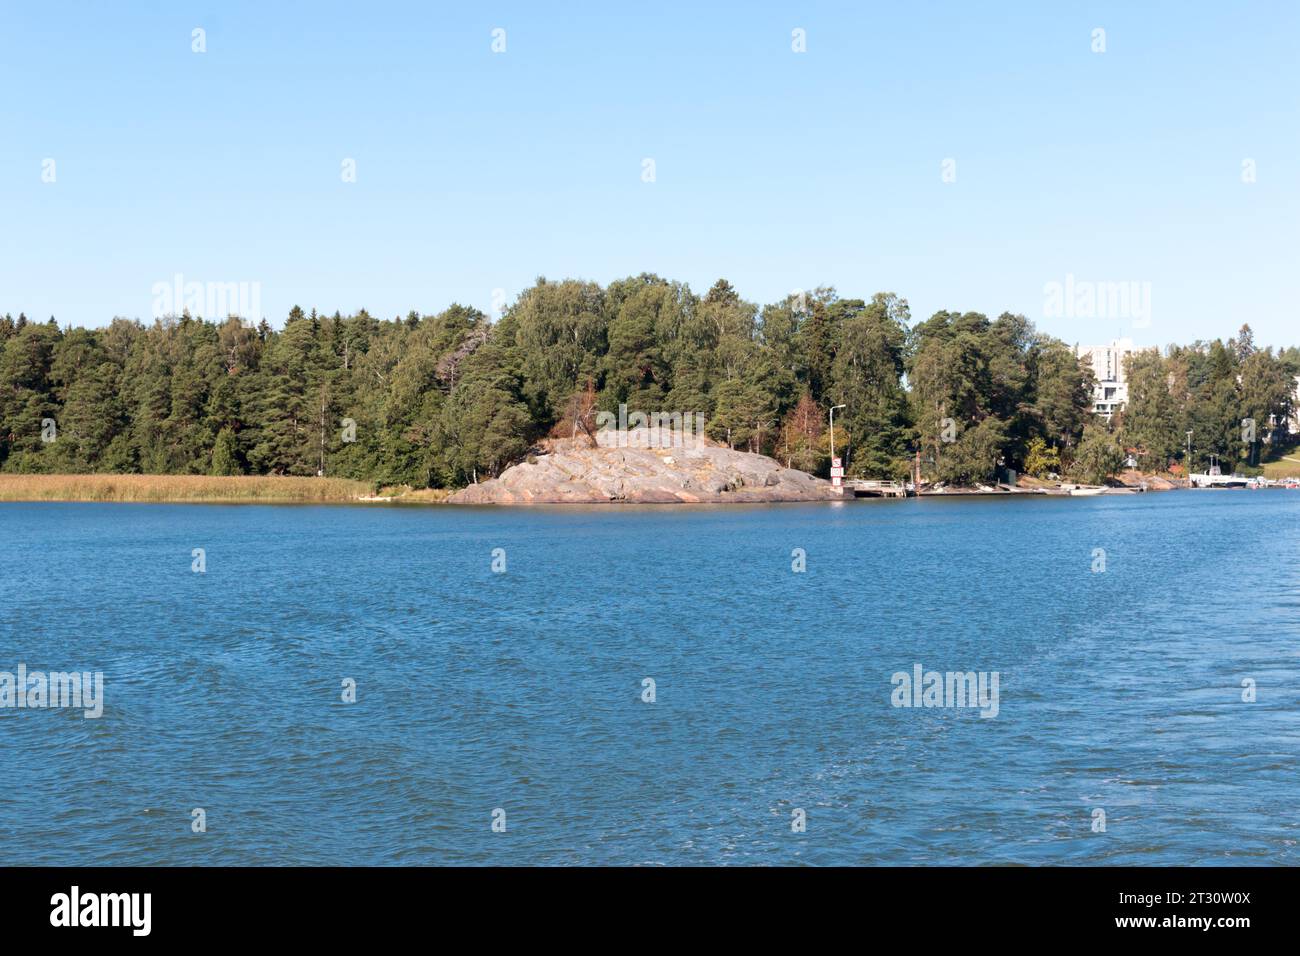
478,171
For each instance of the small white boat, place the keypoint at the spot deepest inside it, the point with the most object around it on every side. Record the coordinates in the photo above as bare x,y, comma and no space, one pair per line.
1081,491
1215,478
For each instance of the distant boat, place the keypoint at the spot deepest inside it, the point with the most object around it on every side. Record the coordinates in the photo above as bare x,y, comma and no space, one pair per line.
1211,480
1215,478
1080,491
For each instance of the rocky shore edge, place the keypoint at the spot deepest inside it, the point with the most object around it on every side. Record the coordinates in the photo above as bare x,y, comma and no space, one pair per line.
573,472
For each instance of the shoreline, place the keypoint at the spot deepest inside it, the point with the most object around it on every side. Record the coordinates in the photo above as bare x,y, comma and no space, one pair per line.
279,489
286,490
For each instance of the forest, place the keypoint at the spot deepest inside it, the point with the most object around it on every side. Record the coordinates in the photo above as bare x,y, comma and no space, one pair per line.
443,400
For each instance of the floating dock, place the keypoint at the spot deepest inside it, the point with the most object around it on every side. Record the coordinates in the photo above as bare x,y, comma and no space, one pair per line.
865,488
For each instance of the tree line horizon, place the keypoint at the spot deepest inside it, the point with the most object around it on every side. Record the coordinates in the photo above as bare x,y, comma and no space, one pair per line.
443,400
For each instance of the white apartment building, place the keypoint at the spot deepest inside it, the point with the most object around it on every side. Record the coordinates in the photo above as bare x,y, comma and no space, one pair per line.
1279,429
1295,408
1107,361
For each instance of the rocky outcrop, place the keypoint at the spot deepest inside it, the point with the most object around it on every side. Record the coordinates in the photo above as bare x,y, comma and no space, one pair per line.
571,472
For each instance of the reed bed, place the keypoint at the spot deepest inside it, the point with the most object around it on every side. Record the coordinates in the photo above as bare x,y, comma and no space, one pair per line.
263,488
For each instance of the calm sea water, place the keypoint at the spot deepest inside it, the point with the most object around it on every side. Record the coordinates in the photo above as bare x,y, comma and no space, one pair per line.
1120,690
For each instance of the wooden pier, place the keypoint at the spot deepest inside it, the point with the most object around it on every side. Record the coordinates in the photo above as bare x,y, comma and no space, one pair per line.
864,488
